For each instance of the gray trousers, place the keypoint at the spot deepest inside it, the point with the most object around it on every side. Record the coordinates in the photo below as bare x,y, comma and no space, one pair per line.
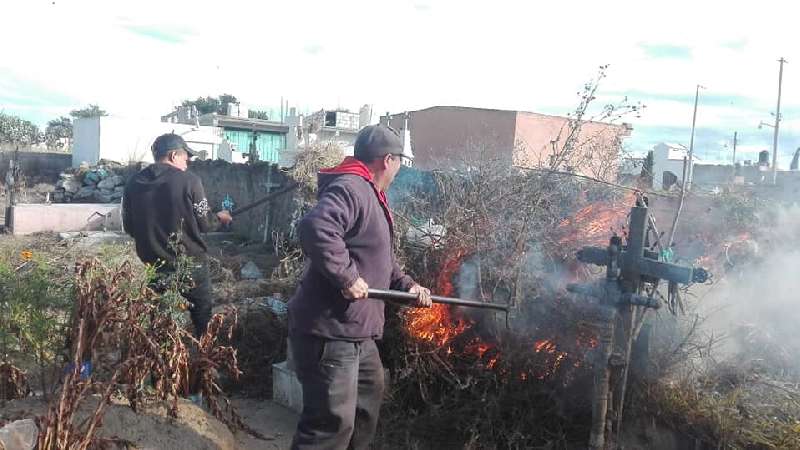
342,392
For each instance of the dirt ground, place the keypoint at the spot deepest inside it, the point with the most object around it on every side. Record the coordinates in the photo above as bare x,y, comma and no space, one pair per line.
194,429
269,419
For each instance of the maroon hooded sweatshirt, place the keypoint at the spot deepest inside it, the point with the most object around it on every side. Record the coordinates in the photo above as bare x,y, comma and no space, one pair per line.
348,234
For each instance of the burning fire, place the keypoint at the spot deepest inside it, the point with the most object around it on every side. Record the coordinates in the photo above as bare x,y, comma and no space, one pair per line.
439,326
544,345
720,251
593,224
436,324
481,349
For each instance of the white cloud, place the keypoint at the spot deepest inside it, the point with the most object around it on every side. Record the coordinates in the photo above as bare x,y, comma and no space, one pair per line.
402,55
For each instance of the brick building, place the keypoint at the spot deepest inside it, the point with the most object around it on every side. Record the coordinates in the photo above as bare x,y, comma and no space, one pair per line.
448,137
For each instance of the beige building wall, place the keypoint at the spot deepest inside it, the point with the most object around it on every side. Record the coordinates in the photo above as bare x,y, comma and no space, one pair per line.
446,137
597,145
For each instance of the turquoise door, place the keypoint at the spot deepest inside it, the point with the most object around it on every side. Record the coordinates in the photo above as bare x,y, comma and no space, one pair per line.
268,145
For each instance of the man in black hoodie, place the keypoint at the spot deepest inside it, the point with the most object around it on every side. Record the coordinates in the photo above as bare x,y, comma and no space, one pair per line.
164,200
347,238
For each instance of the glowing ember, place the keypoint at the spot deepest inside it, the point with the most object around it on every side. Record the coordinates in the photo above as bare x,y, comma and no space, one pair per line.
482,348
544,346
585,339
549,347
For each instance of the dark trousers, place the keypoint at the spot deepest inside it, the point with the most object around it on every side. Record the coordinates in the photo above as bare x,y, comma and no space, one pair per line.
342,392
198,296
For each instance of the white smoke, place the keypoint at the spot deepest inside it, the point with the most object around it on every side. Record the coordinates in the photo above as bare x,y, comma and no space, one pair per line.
755,304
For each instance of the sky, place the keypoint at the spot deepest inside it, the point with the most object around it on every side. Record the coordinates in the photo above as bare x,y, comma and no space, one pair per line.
141,58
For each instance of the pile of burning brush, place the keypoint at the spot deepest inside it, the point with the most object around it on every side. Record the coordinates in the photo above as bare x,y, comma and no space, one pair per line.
462,377
462,374
468,378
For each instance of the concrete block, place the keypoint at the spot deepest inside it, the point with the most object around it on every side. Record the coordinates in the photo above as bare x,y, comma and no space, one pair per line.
19,435
286,389
59,217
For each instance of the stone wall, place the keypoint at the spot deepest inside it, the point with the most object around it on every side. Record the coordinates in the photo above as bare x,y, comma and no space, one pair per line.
37,166
243,184
239,184
103,183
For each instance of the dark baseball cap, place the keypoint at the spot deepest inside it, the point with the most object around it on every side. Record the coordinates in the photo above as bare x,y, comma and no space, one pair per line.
375,141
169,142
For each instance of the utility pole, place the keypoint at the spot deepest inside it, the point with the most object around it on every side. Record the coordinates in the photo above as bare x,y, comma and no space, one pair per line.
734,147
777,124
687,181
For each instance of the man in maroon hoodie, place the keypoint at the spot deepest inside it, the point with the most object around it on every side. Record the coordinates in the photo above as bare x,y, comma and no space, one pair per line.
347,239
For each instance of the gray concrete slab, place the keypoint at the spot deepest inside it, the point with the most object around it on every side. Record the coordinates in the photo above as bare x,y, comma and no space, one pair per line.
28,218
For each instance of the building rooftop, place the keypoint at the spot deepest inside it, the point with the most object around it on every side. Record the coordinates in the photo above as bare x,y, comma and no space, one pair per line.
677,152
245,123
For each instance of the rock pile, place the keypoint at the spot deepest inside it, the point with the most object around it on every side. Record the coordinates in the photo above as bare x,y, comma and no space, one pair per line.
99,184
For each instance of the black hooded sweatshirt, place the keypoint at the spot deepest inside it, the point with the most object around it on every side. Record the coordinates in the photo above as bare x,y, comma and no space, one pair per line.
159,201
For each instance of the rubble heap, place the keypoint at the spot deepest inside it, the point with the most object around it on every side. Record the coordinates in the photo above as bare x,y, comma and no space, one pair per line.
103,183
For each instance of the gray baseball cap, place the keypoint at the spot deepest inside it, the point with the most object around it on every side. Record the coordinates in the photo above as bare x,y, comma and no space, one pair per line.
375,141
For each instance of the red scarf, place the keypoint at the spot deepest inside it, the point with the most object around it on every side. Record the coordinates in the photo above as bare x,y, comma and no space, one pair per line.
352,166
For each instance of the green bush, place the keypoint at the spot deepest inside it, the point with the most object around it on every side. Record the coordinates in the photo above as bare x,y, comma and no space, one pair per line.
35,302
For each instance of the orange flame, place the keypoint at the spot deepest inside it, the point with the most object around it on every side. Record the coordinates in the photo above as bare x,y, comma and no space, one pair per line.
726,250
594,224
436,324
482,348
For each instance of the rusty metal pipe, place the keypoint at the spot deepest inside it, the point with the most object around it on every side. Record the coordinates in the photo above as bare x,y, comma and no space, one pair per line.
407,297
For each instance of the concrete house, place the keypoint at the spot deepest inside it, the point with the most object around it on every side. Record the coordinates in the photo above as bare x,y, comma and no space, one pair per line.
128,140
443,137
268,138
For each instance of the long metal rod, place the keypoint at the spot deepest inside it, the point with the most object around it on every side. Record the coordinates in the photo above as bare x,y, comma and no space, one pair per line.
264,199
406,297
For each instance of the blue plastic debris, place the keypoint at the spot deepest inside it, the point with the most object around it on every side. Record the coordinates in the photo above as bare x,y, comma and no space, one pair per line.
86,369
276,305
228,203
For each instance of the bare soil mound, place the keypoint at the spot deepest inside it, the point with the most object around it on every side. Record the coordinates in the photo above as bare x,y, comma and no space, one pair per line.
193,429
